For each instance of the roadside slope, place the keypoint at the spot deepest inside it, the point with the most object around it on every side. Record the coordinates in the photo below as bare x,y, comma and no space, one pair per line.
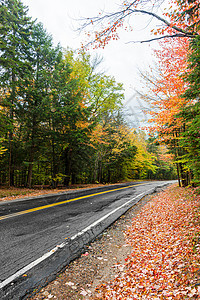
164,262
158,260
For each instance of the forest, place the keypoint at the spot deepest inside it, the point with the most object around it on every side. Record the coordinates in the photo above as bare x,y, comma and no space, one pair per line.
62,120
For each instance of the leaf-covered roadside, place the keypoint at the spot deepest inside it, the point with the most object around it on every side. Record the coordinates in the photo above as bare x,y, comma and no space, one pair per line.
12,193
165,259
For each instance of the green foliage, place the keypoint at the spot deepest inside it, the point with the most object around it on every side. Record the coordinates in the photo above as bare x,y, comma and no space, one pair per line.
165,168
193,76
15,36
190,141
190,138
60,119
144,162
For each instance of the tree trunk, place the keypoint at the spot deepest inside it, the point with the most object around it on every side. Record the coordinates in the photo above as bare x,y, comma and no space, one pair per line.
54,170
95,170
67,167
31,154
179,181
73,178
11,164
30,169
100,172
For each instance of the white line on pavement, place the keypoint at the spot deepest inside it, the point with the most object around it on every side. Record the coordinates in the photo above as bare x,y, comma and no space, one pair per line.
51,252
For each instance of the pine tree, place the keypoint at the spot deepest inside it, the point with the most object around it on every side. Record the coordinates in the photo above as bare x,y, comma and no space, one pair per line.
191,114
35,92
15,32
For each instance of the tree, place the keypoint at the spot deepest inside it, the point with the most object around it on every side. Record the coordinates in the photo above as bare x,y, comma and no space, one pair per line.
144,161
101,97
165,97
167,86
181,20
164,160
101,92
73,118
191,136
190,142
190,12
34,92
115,151
14,59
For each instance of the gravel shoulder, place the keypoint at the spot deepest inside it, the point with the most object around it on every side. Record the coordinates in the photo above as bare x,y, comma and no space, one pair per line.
101,261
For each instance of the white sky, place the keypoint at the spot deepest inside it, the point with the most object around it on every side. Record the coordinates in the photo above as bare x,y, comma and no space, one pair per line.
121,60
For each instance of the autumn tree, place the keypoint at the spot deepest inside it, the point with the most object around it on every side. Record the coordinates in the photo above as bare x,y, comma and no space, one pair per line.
115,151
144,162
174,98
61,119
163,160
165,87
181,20
102,96
189,12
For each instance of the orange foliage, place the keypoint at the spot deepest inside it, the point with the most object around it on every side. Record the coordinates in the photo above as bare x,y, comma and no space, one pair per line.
170,86
98,137
186,15
181,19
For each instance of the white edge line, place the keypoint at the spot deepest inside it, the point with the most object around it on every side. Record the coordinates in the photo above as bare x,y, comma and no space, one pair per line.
51,252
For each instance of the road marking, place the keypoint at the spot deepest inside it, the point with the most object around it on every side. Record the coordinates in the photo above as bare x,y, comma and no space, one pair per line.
51,252
62,202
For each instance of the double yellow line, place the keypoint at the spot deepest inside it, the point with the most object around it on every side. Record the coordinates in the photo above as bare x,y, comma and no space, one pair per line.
61,202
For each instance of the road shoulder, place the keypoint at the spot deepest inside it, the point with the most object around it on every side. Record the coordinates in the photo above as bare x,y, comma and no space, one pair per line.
108,266
101,261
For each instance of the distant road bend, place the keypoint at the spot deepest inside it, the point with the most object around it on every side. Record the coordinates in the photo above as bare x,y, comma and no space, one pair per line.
40,233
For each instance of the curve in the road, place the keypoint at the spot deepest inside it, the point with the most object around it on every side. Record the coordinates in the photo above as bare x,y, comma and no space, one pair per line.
45,268
62,202
49,253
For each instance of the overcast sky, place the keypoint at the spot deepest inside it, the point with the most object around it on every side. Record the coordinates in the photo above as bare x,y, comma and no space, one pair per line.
121,60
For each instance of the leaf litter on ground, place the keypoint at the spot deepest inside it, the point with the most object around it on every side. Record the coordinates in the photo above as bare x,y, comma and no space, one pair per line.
151,252
164,262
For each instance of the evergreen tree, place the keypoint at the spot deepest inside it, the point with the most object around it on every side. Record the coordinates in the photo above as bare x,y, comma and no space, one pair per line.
191,114
35,92
15,32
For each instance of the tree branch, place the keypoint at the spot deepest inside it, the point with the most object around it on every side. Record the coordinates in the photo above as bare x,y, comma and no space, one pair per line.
159,38
163,21
118,17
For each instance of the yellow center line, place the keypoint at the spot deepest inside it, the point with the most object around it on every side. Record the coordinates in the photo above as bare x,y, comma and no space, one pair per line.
62,202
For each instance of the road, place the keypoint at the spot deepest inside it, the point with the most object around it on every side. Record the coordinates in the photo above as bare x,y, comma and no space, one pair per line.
29,229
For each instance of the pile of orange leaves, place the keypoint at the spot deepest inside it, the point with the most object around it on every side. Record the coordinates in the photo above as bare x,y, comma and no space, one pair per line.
165,259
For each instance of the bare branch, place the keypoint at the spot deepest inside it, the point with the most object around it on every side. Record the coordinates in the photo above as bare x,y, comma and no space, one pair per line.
158,38
163,21
118,17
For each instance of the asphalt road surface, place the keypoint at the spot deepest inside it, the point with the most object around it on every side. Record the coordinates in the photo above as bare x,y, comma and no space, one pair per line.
31,228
